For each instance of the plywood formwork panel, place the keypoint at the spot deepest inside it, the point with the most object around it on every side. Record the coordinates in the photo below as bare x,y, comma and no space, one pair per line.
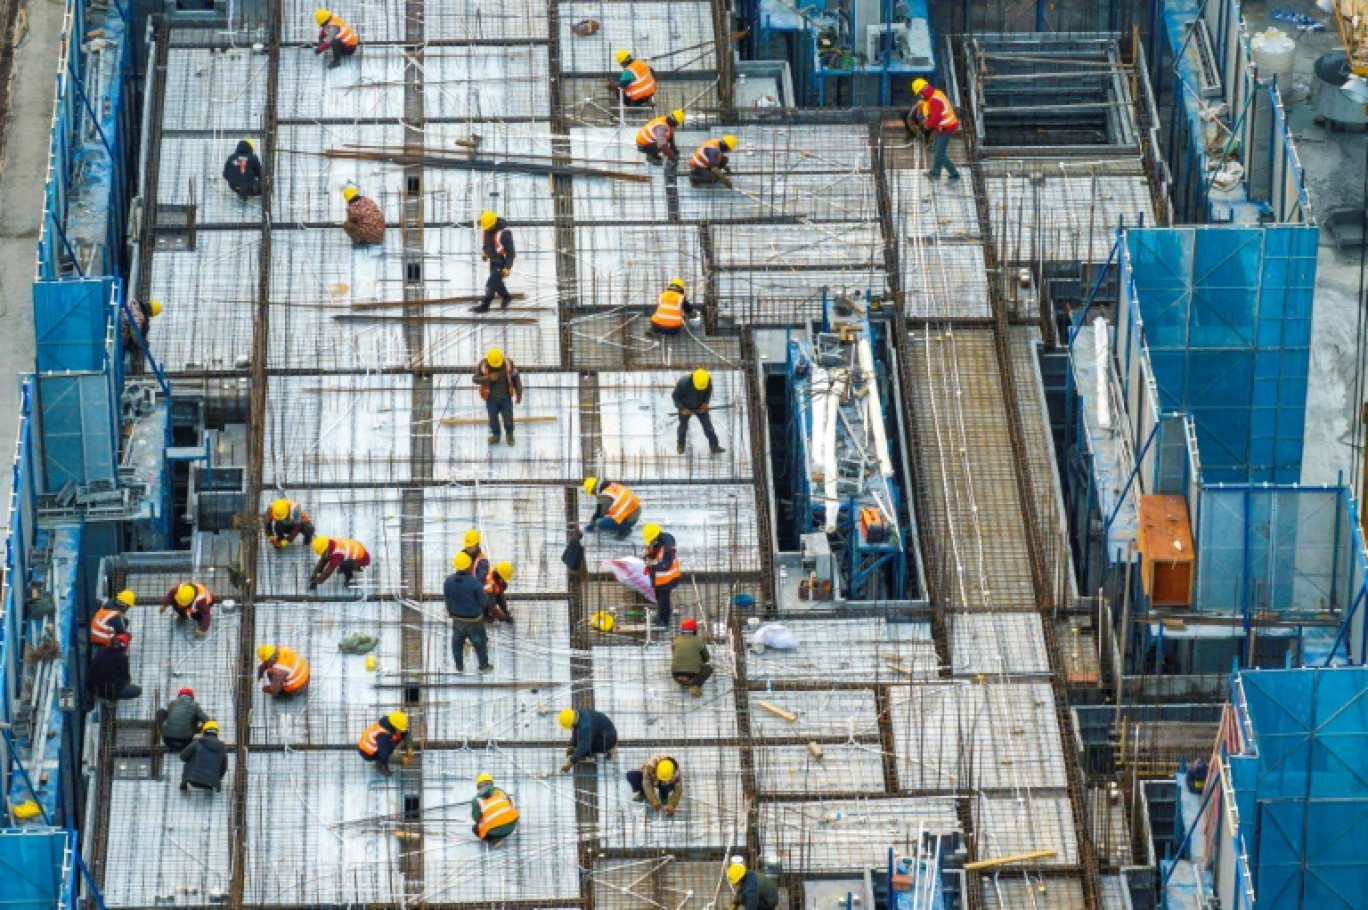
457,197
663,881
714,526
619,339
1008,825
219,90
639,425
646,29
167,656
369,516
630,265
485,20
1064,219
338,430
208,296
836,712
487,82
800,196
788,149
851,650
547,431
308,185
383,21
335,846
191,167
945,281
922,207
367,86
633,686
848,835
794,770
997,644
522,524
1014,891
711,813
789,248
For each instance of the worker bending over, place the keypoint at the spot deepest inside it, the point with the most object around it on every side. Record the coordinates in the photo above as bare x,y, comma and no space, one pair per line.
206,761
285,520
672,309
112,620
109,677
471,545
243,171
286,673
659,782
496,589
190,600
753,890
710,165
637,83
380,739
501,387
365,223
591,734
690,664
340,555
932,113
662,565
465,604
493,812
656,140
335,37
618,507
180,720
496,247
692,395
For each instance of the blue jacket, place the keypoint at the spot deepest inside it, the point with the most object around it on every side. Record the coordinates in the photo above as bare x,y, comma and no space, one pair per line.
593,734
465,596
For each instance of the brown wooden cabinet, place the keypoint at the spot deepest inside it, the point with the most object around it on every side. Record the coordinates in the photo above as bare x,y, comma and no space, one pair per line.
1167,558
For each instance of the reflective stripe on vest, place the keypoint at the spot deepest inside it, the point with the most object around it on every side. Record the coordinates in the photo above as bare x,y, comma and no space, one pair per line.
348,549
949,122
203,597
344,32
494,583
700,158
643,84
499,241
625,502
647,134
101,632
297,668
370,740
670,574
495,812
669,313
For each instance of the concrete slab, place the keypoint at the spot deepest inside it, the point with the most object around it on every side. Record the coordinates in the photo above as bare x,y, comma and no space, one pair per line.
547,431
191,167
308,186
711,813
945,281
1009,825
838,712
847,835
998,644
713,524
369,516
794,771
851,650
338,430
207,296
633,686
222,90
647,29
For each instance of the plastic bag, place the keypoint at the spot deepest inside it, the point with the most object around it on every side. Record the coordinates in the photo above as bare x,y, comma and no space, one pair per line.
773,635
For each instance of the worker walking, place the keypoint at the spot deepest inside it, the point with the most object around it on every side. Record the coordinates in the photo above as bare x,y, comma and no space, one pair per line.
637,82
659,782
365,223
243,171
108,677
496,248
618,507
286,673
591,734
496,589
465,604
285,520
690,663
656,140
932,113
753,891
206,761
380,739
190,600
335,37
662,565
672,309
340,555
180,720
692,396
493,812
112,619
501,387
710,165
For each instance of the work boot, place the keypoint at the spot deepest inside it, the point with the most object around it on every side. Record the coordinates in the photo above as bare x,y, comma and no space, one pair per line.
504,302
385,769
655,159
638,798
493,439
510,437
334,61
695,691
679,448
487,668
481,307
717,449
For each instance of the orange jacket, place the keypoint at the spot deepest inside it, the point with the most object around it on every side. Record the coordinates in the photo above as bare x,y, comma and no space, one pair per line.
643,84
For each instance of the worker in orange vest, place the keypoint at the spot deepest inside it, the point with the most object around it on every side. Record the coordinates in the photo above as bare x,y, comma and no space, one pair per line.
380,739
496,248
672,309
637,83
662,565
285,520
337,555
618,507
493,812
336,36
190,600
710,165
496,589
656,139
932,113
500,388
112,620
286,672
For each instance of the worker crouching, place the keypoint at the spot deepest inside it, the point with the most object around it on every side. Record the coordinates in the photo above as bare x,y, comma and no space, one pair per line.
656,139
496,589
285,520
191,600
242,171
111,620
341,555
286,673
336,38
205,761
492,811
709,165
690,662
672,309
637,82
180,720
659,783
380,740
753,890
365,223
617,508
591,734
109,677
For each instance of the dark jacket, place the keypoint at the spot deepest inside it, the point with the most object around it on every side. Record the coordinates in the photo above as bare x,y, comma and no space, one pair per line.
592,734
689,655
242,170
181,719
499,382
465,596
206,762
757,892
660,555
108,672
499,232
687,398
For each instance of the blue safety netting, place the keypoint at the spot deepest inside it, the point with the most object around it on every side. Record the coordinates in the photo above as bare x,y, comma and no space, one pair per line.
35,866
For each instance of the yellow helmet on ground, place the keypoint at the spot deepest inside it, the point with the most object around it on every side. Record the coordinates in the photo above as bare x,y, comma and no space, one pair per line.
918,85
154,308
736,872
701,379
210,726
185,595
399,721
126,597
665,771
729,141
280,509
265,652
603,621
567,717
471,539
650,532
504,570
350,192
321,16
319,545
488,220
495,357
461,562
623,57
483,779
677,117
590,485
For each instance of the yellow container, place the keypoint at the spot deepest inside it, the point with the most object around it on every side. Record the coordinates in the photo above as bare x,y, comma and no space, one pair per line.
370,661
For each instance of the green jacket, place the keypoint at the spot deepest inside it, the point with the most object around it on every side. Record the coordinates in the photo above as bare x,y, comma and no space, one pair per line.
690,655
181,719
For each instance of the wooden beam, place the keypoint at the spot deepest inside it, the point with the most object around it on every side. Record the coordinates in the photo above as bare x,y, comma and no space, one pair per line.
778,711
1008,860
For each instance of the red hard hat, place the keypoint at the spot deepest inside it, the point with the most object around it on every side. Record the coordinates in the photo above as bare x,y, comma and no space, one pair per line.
688,625
187,691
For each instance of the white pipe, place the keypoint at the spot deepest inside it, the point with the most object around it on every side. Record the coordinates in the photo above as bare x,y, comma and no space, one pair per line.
873,408
817,406
1100,371
832,403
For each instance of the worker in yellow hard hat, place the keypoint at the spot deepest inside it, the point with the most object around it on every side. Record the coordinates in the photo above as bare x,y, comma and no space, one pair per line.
112,619
692,397
673,308
501,387
496,589
472,546
662,566
656,140
365,223
335,36
284,520
136,332
493,812
932,114
591,734
343,555
380,740
496,248
206,760
465,603
617,507
286,673
190,600
753,891
637,83
243,171
659,783
710,165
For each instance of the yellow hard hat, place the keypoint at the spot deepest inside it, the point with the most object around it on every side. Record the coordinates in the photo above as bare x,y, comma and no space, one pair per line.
185,595
918,85
251,146
590,485
210,726
701,379
665,771
321,16
126,597
504,570
567,717
603,621
471,539
399,721
729,141
650,532
350,192
623,57
280,509
483,779
461,561
736,872
319,545
487,220
265,652
495,357
677,283
155,308
677,117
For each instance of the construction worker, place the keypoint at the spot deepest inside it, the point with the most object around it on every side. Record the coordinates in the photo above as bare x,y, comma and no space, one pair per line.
336,36
286,672
662,565
285,520
479,562
637,83
492,810
337,555
691,396
496,588
108,677
656,140
709,164
618,507
672,308
112,619
465,603
180,720
501,387
659,781
378,742
496,248
143,314
690,664
932,113
753,890
191,600
206,761
365,223
242,170
591,734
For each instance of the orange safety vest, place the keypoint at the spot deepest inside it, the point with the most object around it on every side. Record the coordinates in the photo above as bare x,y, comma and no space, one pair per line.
101,632
700,160
345,34
625,502
494,584
296,666
949,123
486,370
499,241
643,84
495,812
669,312
647,138
350,549
671,573
203,598
369,743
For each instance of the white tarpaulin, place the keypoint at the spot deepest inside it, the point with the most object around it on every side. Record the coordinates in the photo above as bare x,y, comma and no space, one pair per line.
631,571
